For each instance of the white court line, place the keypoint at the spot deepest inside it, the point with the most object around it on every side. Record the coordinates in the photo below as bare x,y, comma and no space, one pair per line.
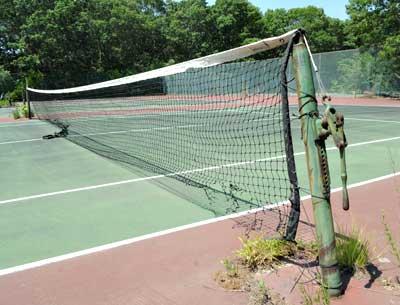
21,141
368,142
134,180
125,131
216,167
372,120
129,241
108,132
28,123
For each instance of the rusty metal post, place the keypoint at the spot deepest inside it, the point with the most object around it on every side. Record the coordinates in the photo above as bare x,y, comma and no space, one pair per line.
317,165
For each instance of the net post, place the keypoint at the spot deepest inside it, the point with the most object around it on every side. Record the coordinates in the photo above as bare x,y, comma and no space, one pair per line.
28,102
317,165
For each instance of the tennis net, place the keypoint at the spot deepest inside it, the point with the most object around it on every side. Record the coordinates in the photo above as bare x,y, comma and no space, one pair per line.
215,130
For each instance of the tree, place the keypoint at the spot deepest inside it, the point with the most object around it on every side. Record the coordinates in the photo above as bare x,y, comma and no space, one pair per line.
373,21
375,27
78,42
64,43
6,82
236,23
187,30
324,33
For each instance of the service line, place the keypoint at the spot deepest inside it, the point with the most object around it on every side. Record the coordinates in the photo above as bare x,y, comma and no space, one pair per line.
195,170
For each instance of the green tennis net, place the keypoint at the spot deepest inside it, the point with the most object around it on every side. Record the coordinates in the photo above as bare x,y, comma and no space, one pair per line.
214,130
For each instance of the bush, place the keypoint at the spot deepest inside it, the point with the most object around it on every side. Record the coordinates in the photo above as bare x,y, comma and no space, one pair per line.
7,82
16,114
24,111
21,111
4,103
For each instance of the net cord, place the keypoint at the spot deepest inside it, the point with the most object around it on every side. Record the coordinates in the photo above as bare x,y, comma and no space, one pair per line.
202,62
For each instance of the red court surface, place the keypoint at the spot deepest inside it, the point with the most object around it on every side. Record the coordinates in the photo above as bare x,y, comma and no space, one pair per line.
12,120
358,101
178,268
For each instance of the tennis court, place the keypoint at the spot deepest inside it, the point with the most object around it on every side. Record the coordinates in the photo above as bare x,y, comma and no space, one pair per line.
59,198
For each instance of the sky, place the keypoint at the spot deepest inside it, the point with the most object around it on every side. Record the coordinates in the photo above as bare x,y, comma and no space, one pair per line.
333,8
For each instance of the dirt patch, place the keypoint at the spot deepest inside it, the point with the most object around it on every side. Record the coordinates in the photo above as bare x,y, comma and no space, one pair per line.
257,257
234,277
391,283
261,295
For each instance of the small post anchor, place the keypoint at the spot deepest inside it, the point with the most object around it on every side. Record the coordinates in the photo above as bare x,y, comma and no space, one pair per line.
332,123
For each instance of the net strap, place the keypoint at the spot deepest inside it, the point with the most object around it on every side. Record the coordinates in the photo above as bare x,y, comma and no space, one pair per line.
294,216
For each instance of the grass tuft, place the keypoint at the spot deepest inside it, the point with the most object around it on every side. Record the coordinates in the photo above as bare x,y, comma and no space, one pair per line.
258,293
231,268
352,251
308,249
390,239
234,277
319,297
260,252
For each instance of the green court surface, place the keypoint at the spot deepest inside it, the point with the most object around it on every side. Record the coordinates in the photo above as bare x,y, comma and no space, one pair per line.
6,112
32,229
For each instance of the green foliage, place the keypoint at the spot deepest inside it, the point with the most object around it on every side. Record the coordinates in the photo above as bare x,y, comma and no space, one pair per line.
24,111
232,269
352,251
375,26
21,111
365,73
99,38
354,74
389,56
390,239
258,293
234,22
6,81
310,297
64,43
391,51
17,94
234,277
372,22
324,33
260,252
310,249
5,102
187,28
16,114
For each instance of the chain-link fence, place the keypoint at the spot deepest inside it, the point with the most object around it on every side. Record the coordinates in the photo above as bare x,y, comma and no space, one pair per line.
357,73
